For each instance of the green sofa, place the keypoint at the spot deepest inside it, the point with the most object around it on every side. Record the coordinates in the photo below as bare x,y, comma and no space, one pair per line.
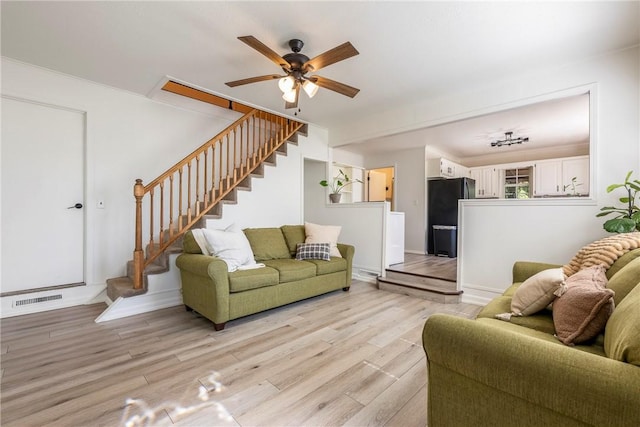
220,296
490,372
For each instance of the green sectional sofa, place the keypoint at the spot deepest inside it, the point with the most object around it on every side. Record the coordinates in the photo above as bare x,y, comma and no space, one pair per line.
490,372
220,296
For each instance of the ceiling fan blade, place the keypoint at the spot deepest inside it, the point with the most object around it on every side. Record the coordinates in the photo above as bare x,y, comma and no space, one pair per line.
339,53
293,104
265,50
253,80
335,86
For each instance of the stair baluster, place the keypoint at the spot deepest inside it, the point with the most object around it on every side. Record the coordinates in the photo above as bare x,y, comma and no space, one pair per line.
237,151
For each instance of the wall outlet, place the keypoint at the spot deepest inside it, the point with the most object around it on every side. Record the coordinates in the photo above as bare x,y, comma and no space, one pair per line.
100,204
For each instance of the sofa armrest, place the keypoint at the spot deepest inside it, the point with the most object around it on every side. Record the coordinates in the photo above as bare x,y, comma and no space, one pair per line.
541,378
522,270
347,252
205,285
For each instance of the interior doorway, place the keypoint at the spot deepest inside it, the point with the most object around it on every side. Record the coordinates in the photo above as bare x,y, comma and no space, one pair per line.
379,185
42,196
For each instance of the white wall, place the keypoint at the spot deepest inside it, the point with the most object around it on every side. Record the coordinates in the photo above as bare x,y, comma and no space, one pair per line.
363,224
409,190
489,243
130,136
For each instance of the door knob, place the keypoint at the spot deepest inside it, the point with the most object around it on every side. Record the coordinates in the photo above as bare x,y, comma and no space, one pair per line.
76,206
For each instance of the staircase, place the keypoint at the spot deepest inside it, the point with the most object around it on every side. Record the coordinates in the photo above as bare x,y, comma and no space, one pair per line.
419,282
196,188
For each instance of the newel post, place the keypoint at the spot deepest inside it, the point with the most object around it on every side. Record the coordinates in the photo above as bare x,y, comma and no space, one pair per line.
138,253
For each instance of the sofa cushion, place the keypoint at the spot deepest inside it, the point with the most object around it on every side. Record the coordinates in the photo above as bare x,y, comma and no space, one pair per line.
541,321
267,243
581,313
318,251
323,234
334,265
625,280
622,333
622,261
293,234
230,245
291,270
244,280
537,292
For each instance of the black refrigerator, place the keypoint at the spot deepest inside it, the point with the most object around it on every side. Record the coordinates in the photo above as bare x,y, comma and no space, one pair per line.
442,209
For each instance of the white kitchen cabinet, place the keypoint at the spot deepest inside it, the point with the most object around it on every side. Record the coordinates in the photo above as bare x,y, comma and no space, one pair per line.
554,177
444,168
487,182
577,168
547,177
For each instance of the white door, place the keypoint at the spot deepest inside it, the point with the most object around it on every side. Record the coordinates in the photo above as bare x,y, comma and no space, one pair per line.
377,186
42,177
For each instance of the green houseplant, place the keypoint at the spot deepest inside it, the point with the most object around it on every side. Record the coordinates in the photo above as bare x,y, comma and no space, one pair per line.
337,184
628,216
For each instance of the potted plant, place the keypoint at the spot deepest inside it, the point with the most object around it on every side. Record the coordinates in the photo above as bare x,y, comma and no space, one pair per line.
627,217
338,183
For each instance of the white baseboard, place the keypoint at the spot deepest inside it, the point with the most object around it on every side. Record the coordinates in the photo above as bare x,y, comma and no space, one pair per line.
477,294
53,299
164,291
151,301
411,251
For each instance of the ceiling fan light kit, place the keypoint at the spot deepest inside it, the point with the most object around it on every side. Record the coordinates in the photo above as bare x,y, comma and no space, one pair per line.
296,65
509,140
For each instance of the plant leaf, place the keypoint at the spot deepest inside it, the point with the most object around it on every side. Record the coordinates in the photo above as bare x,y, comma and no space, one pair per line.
603,214
324,183
626,178
613,187
634,186
619,225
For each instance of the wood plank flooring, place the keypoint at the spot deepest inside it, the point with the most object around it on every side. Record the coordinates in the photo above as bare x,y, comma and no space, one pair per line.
343,358
428,265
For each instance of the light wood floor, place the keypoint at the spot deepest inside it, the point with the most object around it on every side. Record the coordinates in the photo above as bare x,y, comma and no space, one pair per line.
340,359
428,265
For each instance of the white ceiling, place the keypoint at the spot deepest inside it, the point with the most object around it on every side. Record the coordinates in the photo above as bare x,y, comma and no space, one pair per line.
409,51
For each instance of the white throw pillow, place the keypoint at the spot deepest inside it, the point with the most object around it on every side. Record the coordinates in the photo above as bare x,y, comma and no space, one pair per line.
537,292
230,245
323,234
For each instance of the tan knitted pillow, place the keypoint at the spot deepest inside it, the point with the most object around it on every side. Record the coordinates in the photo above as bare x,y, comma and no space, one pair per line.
581,313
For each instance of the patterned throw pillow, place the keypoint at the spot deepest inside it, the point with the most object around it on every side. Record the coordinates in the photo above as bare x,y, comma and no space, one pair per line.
313,251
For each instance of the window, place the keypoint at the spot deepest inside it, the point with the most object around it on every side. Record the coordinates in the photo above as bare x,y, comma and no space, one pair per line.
517,183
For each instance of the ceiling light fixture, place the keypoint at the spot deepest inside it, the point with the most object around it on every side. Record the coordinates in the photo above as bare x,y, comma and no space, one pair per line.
509,140
310,88
290,96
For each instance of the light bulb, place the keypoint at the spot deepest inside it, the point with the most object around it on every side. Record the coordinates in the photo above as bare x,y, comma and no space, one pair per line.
290,96
286,84
310,87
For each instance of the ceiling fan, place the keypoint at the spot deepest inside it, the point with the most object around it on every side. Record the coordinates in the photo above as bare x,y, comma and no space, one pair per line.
296,65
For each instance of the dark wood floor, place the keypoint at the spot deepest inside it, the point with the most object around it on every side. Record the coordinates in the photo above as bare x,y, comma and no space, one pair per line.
428,265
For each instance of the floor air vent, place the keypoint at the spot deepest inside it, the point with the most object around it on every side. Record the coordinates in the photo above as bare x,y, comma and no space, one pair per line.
28,301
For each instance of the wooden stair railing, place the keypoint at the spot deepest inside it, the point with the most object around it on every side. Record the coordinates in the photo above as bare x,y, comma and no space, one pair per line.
174,202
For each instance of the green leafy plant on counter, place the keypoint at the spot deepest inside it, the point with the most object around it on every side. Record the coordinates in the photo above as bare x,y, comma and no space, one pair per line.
339,182
573,185
627,217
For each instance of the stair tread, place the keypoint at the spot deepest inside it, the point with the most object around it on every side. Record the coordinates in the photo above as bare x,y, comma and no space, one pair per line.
122,287
438,288
407,273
